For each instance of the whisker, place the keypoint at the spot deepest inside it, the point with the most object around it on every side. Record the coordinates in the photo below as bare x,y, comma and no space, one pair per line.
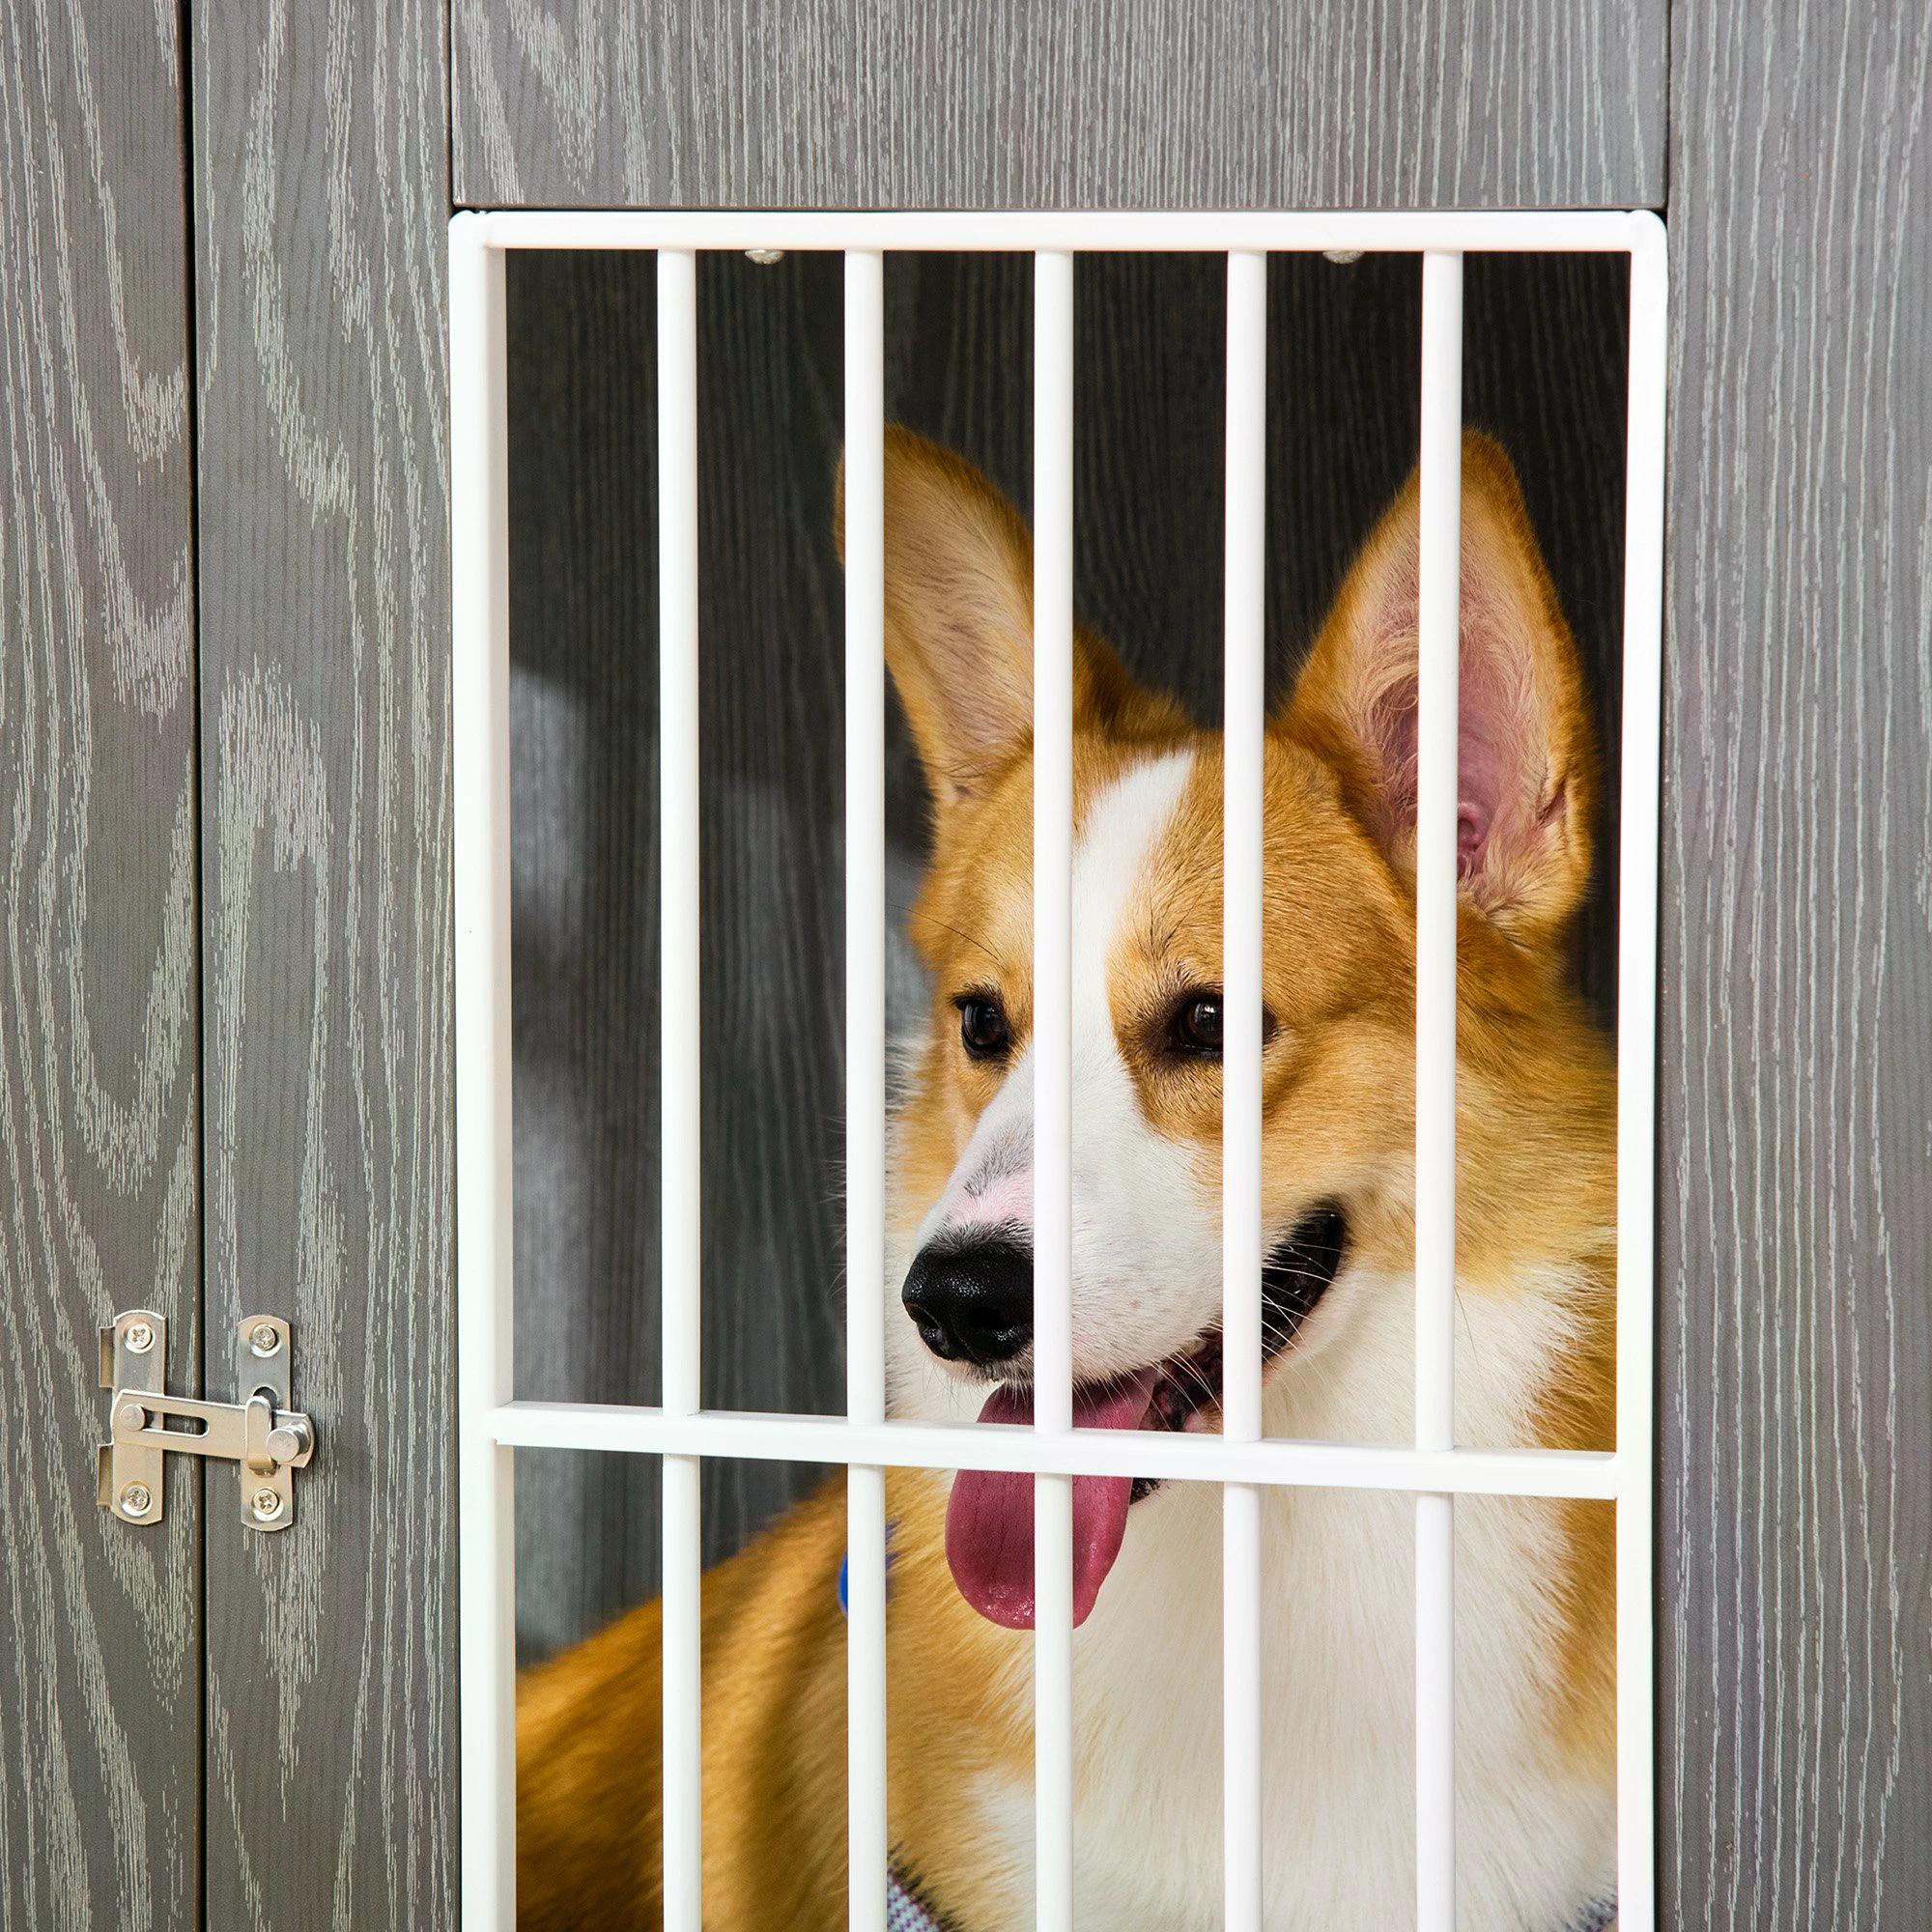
932,919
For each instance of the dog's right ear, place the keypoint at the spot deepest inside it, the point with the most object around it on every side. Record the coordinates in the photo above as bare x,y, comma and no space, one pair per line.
958,613
959,619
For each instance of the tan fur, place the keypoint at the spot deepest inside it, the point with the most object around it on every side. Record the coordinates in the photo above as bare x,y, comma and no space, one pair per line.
1536,1140
589,1814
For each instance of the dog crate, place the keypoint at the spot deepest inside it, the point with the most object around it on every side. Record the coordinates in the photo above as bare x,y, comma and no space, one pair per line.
227,1078
494,1425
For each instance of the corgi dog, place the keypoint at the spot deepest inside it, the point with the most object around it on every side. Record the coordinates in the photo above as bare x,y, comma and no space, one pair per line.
1534,1334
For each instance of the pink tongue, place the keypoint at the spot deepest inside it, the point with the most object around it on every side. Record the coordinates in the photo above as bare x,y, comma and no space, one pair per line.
990,1521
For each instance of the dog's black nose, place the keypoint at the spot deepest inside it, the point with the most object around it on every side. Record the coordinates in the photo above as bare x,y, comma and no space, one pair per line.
973,1304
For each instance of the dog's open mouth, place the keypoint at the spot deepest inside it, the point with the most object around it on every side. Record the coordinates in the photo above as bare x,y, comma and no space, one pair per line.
989,1520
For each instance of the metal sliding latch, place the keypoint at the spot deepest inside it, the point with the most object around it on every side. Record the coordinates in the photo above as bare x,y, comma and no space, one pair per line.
261,1435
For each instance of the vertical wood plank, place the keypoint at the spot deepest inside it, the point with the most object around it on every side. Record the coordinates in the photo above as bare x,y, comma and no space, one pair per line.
320,218
1795,1138
100,1182
996,103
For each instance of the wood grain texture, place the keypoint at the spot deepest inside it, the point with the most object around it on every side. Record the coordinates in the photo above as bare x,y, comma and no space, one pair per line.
1796,1783
100,1184
1547,344
995,104
320,218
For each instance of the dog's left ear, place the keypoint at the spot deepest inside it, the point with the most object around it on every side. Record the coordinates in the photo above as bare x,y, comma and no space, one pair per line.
1527,761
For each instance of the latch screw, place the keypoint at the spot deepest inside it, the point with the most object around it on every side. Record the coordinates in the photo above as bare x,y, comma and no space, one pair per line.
267,1504
140,1337
133,1416
134,1499
264,1337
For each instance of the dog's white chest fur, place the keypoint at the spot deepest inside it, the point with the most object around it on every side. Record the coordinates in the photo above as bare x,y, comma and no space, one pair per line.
1536,1830
1535,1833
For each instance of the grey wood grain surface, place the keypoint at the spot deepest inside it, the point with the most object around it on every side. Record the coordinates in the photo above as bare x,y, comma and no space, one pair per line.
1545,361
320,215
100,1184
290,887
996,103
1796,1158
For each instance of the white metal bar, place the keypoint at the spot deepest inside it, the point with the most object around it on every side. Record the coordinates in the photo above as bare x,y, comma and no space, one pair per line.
678,1144
1070,231
480,772
1435,1712
757,1437
1244,727
1438,628
1636,1072
1052,1079
866,1081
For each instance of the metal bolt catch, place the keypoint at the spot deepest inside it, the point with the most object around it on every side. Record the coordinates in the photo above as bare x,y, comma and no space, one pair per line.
263,1434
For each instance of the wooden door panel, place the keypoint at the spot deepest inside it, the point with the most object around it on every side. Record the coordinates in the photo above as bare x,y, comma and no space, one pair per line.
1795,1782
99,1176
321,210
800,103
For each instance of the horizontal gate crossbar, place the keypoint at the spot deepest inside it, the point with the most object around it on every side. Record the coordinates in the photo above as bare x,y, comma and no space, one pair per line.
766,1436
1410,232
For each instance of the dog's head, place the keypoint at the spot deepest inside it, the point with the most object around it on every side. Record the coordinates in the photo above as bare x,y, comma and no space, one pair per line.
1338,1030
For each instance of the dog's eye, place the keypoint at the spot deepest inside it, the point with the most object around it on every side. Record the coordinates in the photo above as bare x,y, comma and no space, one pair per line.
983,1026
1197,1025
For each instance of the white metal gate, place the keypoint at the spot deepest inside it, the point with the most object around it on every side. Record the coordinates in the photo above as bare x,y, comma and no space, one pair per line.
493,1425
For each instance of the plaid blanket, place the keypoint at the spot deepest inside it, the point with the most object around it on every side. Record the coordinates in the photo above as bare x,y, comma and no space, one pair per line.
905,1912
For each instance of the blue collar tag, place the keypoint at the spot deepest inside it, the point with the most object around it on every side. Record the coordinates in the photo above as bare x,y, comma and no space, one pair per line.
845,1573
